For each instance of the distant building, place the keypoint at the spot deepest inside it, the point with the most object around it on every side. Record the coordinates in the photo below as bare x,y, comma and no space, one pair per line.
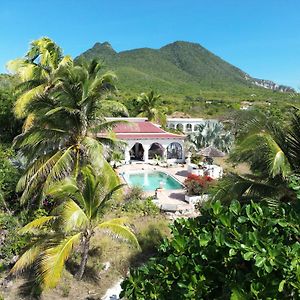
246,105
187,125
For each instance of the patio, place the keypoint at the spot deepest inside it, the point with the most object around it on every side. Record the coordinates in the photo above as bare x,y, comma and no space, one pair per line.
171,201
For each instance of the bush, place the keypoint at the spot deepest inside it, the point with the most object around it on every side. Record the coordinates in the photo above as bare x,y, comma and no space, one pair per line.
197,185
135,202
229,252
134,193
10,242
9,176
144,207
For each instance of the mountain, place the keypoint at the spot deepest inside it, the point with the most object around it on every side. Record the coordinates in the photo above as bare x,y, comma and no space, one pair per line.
181,69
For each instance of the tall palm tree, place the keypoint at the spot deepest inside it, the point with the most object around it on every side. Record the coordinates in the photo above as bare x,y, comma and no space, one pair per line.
272,152
148,107
36,72
72,223
63,134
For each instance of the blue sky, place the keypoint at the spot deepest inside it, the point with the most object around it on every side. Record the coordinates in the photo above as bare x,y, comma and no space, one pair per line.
260,37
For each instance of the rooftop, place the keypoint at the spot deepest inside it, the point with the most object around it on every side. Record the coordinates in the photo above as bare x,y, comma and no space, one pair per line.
140,128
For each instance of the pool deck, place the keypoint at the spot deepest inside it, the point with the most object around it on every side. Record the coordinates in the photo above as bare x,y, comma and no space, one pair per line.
166,198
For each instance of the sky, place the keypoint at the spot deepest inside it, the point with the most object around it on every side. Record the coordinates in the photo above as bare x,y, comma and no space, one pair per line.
261,37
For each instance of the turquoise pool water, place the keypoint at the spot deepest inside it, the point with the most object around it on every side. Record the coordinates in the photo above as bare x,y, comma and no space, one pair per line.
150,181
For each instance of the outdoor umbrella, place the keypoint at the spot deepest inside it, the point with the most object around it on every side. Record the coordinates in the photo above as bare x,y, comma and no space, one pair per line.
211,152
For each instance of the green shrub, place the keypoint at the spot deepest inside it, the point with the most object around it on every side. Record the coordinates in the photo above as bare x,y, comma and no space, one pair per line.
134,193
229,252
144,207
9,176
10,242
135,202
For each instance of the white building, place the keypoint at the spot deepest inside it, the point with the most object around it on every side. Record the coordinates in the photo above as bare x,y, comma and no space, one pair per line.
145,141
187,125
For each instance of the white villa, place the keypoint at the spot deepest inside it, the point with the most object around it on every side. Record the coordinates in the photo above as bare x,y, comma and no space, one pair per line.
145,141
188,125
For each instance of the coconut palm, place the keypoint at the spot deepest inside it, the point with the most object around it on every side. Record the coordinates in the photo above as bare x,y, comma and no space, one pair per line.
272,152
36,72
63,134
73,222
211,134
148,107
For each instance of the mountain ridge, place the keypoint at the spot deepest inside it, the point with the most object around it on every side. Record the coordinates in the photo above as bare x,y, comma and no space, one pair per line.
179,67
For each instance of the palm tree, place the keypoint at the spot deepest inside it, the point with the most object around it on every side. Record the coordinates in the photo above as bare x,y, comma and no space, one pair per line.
148,107
36,72
272,153
73,222
63,134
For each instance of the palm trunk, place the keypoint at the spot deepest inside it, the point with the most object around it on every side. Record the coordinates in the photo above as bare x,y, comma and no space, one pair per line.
84,257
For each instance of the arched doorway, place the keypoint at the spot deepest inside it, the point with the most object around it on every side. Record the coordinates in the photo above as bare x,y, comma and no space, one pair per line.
155,150
179,127
174,150
188,127
137,152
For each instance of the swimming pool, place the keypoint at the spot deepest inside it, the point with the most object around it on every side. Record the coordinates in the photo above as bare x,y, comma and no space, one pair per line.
151,180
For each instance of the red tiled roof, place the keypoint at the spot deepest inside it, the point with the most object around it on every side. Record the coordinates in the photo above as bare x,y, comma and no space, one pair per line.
136,127
141,130
164,135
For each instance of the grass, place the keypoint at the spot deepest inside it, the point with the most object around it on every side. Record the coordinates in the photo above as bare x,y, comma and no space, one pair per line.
149,230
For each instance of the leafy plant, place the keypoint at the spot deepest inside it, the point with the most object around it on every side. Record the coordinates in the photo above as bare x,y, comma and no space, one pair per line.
249,251
272,161
9,176
11,243
79,212
68,109
135,202
196,185
148,107
212,134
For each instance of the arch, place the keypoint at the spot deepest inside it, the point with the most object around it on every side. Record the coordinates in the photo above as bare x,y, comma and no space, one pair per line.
196,127
174,150
156,149
189,127
179,127
172,126
137,152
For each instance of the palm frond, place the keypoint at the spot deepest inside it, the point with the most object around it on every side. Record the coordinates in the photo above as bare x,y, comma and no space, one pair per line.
73,217
62,167
119,230
36,224
53,260
24,100
113,108
28,258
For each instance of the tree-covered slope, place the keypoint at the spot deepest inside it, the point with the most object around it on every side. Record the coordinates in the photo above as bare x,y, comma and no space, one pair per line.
180,69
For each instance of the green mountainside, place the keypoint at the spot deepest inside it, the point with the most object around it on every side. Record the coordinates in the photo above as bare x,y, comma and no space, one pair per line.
183,69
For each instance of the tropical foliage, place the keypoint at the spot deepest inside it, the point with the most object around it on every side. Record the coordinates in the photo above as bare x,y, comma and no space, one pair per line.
9,125
238,251
188,75
148,106
78,213
36,72
70,114
9,175
211,134
196,185
272,152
